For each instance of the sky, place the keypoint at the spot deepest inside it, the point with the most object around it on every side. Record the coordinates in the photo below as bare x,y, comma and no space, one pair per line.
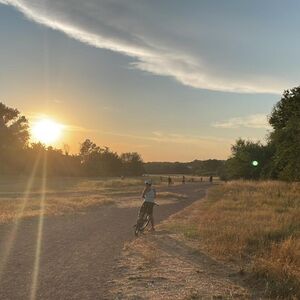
173,80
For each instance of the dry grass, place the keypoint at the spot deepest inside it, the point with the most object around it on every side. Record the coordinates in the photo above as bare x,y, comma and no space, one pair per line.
255,225
62,195
66,195
11,210
143,249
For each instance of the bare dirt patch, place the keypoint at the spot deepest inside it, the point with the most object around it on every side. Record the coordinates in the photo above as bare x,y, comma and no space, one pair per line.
165,266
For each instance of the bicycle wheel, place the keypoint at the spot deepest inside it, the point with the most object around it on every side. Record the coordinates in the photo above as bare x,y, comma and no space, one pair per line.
141,225
145,223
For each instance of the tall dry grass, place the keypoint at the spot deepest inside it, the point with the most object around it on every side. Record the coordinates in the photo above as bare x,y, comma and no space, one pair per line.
255,225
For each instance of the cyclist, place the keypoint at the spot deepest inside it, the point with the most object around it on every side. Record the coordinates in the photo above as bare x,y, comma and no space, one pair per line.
149,195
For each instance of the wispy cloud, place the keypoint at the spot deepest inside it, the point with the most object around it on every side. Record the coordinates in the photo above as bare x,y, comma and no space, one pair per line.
126,27
173,138
252,121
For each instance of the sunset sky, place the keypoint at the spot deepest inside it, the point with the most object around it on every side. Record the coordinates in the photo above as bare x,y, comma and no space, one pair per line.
173,80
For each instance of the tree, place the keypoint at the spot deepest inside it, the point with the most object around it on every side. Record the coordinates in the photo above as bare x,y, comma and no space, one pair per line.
98,161
132,164
90,155
285,120
14,138
247,161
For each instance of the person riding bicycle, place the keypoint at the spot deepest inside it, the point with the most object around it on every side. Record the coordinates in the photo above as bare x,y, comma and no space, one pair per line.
149,195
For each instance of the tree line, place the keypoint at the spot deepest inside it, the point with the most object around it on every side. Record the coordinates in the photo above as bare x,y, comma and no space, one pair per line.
210,167
19,156
279,157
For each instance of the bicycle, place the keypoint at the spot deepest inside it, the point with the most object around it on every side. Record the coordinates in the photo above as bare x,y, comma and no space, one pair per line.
142,223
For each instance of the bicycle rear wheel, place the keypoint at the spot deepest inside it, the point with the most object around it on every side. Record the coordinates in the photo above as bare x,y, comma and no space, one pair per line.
141,225
145,223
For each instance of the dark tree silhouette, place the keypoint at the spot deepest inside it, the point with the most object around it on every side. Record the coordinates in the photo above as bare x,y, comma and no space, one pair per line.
132,164
14,137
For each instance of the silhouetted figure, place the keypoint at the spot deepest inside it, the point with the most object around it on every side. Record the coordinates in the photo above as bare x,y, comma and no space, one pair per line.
183,179
201,179
161,179
210,179
169,180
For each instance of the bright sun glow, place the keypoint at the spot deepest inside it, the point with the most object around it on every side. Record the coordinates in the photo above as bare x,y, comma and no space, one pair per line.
46,131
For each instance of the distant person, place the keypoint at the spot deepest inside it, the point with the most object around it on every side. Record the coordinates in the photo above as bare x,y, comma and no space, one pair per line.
210,179
149,195
169,180
201,179
161,179
183,179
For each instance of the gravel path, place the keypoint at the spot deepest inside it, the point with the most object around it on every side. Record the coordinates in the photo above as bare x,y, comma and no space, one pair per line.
78,251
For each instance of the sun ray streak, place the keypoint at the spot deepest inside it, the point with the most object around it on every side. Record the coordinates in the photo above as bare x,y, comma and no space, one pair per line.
13,234
36,267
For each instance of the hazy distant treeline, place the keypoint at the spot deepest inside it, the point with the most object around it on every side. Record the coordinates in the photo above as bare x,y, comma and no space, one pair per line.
18,156
208,167
279,157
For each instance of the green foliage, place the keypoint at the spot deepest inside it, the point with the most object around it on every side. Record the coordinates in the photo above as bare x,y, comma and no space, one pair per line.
244,153
285,119
286,110
280,158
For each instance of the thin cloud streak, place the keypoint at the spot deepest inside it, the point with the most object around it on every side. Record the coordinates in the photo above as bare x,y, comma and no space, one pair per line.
257,121
115,26
173,138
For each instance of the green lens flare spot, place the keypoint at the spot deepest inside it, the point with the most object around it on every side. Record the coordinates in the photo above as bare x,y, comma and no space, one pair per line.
254,163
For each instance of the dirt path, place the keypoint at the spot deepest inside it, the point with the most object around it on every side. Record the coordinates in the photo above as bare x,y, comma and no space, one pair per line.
78,252
170,264
163,266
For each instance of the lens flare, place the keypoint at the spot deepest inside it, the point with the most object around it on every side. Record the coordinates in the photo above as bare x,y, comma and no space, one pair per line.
36,267
13,233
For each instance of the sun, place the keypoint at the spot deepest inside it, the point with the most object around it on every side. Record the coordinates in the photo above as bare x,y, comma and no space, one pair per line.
46,131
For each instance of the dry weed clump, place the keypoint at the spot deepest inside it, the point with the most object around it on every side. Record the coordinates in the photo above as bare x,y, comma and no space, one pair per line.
255,225
280,268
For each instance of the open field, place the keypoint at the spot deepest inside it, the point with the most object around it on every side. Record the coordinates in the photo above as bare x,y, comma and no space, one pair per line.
254,226
73,255
22,197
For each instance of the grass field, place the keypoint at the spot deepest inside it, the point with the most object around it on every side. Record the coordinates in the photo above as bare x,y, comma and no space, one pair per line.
252,225
25,197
